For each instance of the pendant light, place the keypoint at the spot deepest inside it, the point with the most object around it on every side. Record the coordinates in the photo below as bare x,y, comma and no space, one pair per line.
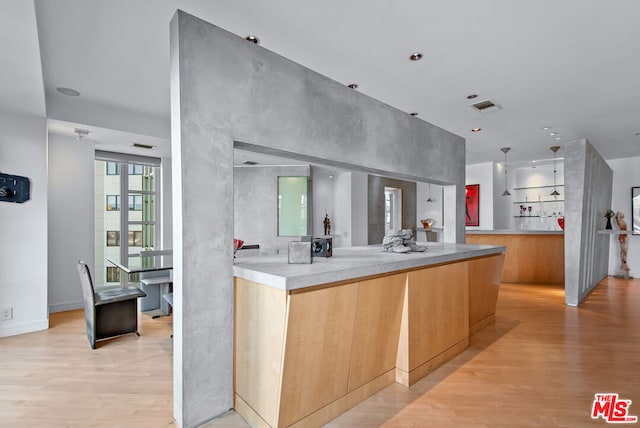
555,192
430,199
505,150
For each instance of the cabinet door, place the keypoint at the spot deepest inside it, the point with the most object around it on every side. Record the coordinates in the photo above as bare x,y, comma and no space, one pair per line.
377,328
317,351
438,311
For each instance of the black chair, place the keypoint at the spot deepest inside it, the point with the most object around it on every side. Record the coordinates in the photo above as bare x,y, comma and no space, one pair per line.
108,313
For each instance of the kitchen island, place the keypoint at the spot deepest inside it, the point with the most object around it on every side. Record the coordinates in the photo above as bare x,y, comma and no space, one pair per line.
312,341
532,256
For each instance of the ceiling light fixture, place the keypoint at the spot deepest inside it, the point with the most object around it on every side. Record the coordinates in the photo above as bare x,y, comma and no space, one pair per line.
430,199
415,56
555,192
472,96
253,39
553,133
413,114
546,128
352,85
505,150
80,133
476,129
68,91
558,138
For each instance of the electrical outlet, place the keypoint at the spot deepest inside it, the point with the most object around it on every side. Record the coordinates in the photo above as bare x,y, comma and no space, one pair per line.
6,314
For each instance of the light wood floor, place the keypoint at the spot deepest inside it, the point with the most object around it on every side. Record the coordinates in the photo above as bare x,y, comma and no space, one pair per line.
539,365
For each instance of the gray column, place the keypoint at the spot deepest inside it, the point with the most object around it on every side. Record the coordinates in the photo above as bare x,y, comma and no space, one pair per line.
588,183
202,153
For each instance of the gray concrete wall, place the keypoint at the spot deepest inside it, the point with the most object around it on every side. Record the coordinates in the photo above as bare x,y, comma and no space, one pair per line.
588,189
375,200
255,208
226,91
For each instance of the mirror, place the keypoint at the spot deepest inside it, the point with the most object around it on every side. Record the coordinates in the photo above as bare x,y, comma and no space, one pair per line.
635,210
293,201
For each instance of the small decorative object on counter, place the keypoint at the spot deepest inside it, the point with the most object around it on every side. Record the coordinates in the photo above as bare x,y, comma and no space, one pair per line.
427,223
401,241
237,244
300,252
609,214
561,222
327,225
322,247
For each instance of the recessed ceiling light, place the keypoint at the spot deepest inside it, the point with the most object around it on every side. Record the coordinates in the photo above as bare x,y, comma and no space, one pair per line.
553,133
68,91
472,96
249,162
413,114
415,56
476,129
558,138
546,128
352,85
253,39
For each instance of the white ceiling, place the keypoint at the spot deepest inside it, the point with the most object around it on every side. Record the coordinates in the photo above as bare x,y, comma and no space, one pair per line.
573,65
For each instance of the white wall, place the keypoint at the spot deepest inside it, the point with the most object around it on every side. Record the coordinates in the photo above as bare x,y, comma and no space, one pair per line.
482,174
359,209
539,199
23,246
426,209
502,205
322,197
71,218
342,221
626,175
344,198
255,192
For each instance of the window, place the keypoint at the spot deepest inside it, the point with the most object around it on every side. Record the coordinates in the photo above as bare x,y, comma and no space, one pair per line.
113,202
113,168
135,169
113,238
113,274
135,238
127,208
135,202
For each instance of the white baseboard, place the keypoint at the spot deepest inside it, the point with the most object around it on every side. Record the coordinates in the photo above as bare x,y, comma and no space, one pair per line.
66,306
15,328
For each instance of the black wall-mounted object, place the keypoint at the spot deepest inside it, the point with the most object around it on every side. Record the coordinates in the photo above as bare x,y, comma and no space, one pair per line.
14,188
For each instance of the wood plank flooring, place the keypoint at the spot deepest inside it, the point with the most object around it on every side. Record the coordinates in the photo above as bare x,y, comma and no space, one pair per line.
53,378
539,365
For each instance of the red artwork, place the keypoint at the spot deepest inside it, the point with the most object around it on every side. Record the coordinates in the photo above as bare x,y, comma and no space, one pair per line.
472,204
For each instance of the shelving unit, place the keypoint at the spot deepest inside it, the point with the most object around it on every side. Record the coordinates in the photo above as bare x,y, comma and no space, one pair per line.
544,206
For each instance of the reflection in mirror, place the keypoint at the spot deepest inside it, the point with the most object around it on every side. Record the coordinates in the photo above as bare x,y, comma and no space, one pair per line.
635,210
293,199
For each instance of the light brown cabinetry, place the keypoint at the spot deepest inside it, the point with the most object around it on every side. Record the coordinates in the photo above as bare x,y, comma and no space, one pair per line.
305,356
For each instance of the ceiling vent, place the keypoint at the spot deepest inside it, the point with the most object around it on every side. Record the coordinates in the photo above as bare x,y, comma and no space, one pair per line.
142,146
486,106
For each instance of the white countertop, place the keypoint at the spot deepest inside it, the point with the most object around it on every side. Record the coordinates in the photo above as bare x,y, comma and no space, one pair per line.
513,232
349,263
